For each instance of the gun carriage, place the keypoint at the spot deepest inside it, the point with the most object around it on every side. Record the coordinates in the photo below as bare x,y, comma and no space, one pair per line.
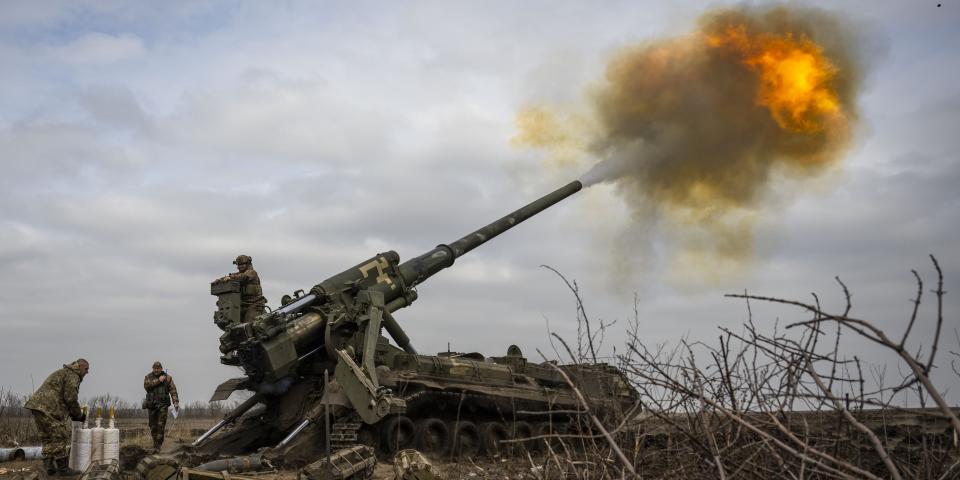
320,361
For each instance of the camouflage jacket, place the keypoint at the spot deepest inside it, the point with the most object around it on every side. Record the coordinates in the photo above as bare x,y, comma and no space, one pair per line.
57,396
160,393
251,293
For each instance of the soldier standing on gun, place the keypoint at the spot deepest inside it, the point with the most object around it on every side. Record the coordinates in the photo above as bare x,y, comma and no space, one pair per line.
53,405
160,391
252,301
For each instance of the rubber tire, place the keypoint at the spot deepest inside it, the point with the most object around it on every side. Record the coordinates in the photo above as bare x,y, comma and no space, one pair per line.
491,433
523,429
398,434
433,436
544,428
466,440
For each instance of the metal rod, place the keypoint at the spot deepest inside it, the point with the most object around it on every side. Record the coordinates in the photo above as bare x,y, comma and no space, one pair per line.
326,419
311,352
297,305
228,418
294,433
206,435
396,331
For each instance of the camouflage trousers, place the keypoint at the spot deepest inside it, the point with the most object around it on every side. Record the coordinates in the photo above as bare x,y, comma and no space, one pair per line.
249,313
158,422
54,434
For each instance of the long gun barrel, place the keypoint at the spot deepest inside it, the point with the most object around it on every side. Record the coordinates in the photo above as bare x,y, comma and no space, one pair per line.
416,270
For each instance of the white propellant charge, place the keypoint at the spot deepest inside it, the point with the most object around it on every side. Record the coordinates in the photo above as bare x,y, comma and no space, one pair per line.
111,440
97,444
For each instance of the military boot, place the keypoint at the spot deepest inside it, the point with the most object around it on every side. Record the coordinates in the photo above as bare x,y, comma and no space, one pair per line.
49,465
63,467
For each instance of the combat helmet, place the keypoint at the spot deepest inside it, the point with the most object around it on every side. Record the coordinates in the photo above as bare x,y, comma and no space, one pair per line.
241,259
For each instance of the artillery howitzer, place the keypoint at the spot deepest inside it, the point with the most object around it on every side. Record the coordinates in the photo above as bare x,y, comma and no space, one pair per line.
379,394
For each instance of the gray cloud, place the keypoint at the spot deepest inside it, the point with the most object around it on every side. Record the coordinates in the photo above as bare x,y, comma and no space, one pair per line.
97,48
117,108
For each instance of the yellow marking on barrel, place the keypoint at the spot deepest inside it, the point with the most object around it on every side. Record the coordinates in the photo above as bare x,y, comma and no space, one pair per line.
381,265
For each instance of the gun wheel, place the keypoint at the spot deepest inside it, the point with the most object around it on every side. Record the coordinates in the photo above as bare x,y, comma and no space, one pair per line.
466,438
522,430
491,434
398,434
433,436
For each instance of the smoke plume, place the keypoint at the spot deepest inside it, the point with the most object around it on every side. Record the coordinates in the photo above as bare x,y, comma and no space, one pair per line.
693,130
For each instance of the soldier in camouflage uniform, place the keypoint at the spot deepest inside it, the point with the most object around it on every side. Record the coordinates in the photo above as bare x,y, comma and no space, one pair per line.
160,391
53,405
252,301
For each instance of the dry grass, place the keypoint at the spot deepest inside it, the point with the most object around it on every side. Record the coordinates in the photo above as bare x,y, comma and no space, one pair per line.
761,402
183,430
17,428
772,402
20,430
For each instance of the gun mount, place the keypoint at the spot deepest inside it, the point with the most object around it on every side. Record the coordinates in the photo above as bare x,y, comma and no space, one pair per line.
377,388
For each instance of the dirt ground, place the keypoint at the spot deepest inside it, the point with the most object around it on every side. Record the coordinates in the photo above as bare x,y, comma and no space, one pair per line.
134,431
22,470
33,469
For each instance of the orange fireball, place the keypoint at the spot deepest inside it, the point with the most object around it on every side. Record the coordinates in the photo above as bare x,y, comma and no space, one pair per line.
698,130
794,75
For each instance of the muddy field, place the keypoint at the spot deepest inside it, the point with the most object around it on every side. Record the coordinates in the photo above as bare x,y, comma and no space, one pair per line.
136,432
655,449
480,470
133,431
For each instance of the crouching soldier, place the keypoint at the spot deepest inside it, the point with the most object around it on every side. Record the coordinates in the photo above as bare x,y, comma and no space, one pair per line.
53,405
160,392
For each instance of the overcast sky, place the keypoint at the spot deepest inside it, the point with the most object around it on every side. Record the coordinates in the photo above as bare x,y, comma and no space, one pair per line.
145,145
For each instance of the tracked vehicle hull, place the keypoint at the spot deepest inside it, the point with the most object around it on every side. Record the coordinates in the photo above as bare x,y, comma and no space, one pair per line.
455,405
467,404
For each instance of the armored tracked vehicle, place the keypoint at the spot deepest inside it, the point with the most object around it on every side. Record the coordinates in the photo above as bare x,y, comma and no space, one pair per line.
319,367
